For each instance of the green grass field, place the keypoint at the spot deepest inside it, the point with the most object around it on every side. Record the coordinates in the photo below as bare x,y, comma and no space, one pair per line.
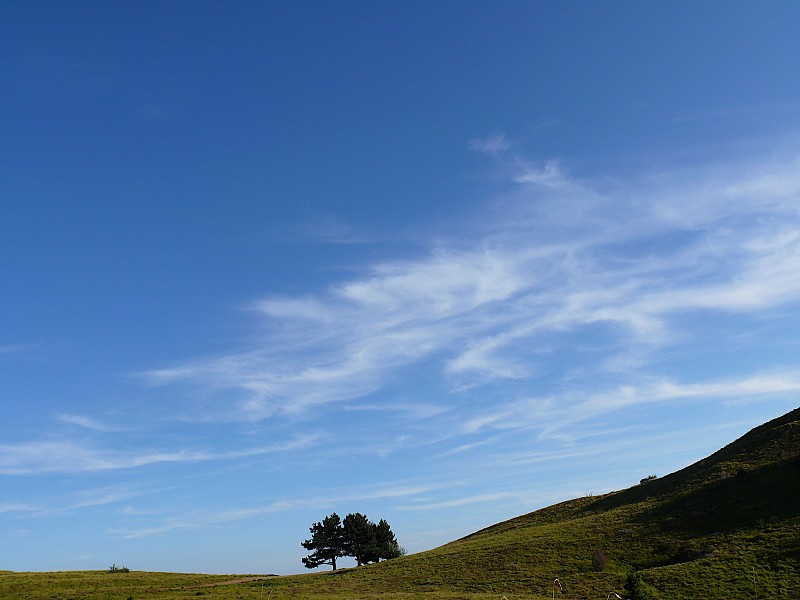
726,527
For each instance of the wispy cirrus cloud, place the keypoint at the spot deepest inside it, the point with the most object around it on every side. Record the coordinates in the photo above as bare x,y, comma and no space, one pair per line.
455,502
493,144
12,350
88,423
621,266
209,518
64,502
173,524
555,413
71,456
17,507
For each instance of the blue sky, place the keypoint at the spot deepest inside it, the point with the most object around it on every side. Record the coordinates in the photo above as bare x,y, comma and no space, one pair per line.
442,263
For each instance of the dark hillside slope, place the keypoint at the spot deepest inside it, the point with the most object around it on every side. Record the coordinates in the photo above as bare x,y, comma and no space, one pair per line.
774,446
725,527
752,482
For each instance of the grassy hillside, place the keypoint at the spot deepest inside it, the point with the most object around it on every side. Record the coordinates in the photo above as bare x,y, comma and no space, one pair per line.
725,527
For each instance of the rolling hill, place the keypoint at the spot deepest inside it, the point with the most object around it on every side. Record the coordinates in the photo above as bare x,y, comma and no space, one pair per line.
725,527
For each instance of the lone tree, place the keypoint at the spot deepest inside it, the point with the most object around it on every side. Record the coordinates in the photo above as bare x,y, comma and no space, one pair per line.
356,536
327,542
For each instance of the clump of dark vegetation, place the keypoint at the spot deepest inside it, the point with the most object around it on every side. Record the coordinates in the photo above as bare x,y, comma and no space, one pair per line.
115,569
600,561
639,589
356,536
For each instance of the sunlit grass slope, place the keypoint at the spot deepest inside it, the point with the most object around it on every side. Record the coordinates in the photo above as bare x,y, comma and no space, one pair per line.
725,527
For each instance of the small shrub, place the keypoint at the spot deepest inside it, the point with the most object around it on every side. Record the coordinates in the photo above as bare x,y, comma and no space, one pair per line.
639,589
600,560
115,569
648,478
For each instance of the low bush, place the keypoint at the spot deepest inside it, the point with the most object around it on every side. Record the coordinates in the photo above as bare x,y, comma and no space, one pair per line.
599,561
639,589
115,569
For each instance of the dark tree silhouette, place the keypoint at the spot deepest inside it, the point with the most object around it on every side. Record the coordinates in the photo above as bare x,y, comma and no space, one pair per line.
386,545
327,542
359,535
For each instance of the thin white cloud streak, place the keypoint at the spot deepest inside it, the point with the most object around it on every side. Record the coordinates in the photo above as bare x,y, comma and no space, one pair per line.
103,497
12,349
88,423
60,504
37,457
550,176
457,502
200,519
169,526
555,413
565,257
17,507
493,144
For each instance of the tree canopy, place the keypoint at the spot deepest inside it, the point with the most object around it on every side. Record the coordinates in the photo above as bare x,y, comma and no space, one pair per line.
327,543
356,536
